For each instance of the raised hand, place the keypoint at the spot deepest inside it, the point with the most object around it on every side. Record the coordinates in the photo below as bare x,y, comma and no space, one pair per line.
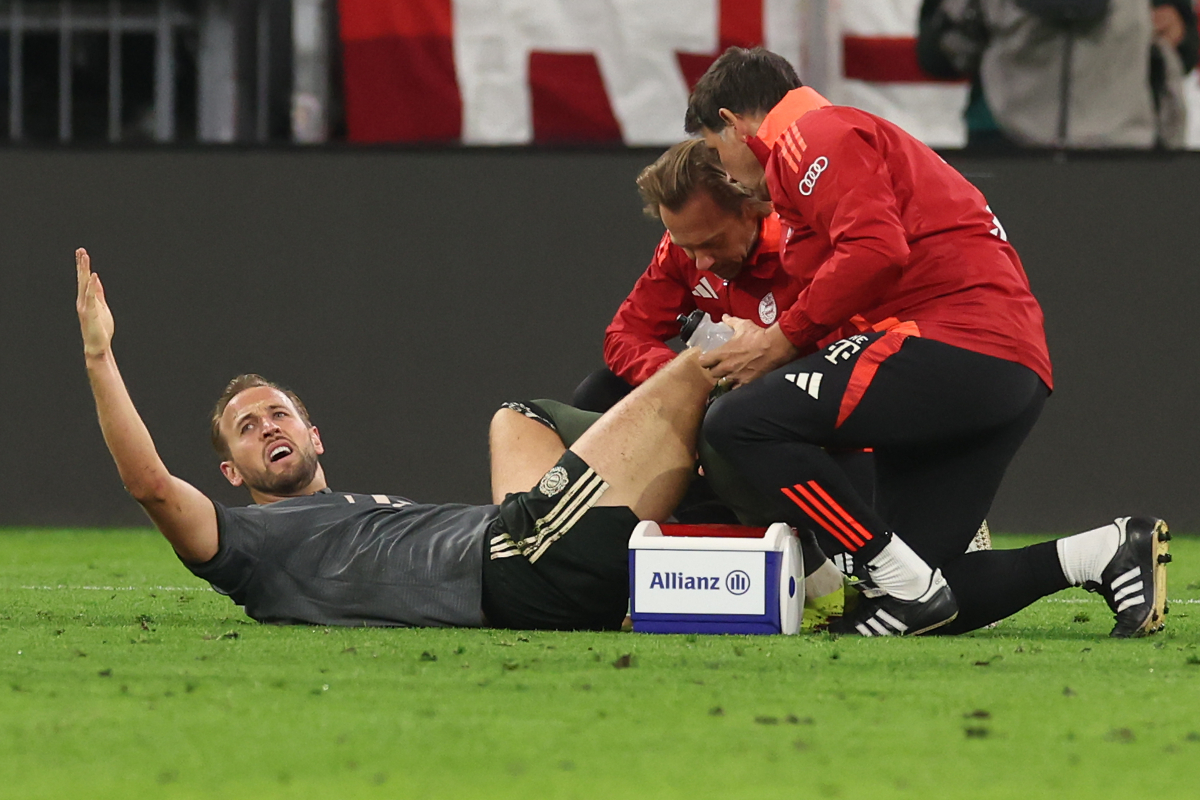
184,515
95,318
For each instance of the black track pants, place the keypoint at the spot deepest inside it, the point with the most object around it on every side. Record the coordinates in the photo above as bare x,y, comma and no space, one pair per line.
944,423
993,584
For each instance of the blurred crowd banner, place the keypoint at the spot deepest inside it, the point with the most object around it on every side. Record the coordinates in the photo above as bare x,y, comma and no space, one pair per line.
512,72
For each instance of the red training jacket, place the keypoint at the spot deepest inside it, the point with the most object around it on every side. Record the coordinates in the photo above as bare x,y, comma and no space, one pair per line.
881,230
635,342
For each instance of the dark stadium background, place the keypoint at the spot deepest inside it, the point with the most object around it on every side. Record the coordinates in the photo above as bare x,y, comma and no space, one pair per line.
405,293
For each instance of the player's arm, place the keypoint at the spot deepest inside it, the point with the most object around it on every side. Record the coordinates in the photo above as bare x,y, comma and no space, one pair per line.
635,341
180,511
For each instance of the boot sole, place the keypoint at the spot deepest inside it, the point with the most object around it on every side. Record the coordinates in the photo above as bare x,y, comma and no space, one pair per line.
933,627
1155,621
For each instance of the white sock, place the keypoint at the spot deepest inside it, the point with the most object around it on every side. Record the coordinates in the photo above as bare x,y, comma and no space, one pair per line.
1085,555
825,579
899,571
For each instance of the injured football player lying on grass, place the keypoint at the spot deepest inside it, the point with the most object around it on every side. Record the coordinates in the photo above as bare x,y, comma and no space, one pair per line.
551,552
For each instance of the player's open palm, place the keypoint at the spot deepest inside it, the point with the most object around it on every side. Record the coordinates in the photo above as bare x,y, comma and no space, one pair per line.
95,318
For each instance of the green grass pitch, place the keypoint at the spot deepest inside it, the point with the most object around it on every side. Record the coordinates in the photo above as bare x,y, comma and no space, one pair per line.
121,676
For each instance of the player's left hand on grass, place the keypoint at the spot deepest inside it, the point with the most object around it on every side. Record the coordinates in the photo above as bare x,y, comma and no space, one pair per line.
750,354
95,317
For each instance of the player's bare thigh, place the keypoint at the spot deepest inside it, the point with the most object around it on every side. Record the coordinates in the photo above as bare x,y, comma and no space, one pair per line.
645,446
522,451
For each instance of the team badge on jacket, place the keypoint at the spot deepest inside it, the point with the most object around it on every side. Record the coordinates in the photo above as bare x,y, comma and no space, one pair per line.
554,481
767,309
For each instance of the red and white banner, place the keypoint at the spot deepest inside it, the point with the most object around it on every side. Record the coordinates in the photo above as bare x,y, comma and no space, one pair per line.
880,73
504,72
521,71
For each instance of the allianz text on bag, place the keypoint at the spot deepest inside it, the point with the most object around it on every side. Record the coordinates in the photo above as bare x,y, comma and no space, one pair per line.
715,579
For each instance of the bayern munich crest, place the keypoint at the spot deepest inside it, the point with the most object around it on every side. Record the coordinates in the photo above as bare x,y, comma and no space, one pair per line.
767,309
554,482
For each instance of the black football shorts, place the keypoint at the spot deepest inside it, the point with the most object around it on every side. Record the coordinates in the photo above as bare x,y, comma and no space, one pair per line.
553,560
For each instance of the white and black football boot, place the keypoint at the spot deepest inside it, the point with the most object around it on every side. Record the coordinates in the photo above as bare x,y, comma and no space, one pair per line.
879,614
1134,582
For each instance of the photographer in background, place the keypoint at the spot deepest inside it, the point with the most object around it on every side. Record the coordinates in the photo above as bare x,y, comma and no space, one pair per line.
1065,73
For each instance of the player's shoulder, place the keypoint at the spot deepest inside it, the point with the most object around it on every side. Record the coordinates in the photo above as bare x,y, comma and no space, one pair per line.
323,504
349,500
323,497
298,518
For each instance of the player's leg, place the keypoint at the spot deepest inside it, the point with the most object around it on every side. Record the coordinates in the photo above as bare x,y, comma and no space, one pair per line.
644,448
527,439
534,479
1124,561
557,556
523,447
602,390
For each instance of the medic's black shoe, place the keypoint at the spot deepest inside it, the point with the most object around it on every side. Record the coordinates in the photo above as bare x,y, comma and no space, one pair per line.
1134,583
879,614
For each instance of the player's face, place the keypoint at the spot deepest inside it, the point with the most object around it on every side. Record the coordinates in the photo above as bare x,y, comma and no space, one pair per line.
736,156
271,449
719,241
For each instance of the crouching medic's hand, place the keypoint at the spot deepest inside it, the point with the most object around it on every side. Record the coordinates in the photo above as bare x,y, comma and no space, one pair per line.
750,354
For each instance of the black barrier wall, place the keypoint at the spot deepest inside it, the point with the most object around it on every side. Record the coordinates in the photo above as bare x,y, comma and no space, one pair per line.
405,294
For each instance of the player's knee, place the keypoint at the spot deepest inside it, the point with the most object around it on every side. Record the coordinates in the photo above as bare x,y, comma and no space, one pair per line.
502,425
520,413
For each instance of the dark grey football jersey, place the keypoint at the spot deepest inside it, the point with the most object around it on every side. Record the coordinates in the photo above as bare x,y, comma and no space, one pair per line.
352,559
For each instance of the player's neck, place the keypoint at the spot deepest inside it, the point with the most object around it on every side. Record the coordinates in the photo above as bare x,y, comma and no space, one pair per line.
312,487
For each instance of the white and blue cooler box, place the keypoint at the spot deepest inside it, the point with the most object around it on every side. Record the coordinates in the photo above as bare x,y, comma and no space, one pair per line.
715,579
